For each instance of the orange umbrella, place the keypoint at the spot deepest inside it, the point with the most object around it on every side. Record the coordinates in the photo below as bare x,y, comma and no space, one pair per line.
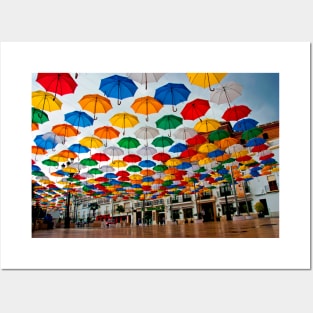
95,103
35,126
68,154
146,105
106,132
65,130
37,150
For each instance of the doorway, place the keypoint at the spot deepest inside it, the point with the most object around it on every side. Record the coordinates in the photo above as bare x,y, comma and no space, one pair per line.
208,215
263,201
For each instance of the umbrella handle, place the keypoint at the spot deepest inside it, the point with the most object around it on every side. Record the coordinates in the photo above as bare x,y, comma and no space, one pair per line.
211,89
119,102
174,109
147,118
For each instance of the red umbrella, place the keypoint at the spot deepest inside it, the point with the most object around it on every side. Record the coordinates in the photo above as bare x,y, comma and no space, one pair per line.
188,153
195,109
100,157
236,113
196,140
59,83
132,158
161,156
260,148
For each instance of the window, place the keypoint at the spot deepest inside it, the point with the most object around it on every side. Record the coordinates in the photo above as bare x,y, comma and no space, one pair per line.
272,183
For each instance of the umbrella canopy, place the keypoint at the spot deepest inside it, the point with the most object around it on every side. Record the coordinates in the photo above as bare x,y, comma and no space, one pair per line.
218,134
236,112
113,151
195,109
169,121
146,105
207,147
106,132
207,125
124,120
118,87
172,94
78,148
161,156
205,80
145,78
128,143
65,130
39,116
146,151
196,140
162,141
91,142
245,124
251,133
95,103
48,142
132,158
58,83
99,156
78,118
45,101
226,93
184,133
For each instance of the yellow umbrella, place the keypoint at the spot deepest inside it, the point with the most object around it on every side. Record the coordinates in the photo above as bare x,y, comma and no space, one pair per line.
45,101
95,103
124,120
58,158
118,163
91,142
135,177
207,147
146,105
205,80
173,162
70,169
204,161
207,125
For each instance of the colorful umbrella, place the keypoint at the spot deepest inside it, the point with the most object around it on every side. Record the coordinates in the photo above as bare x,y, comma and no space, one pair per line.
106,132
91,142
58,83
226,93
162,141
236,112
169,122
113,151
128,143
118,87
77,147
172,94
207,125
146,151
45,101
251,133
195,109
218,134
65,130
161,156
205,80
39,116
124,120
146,105
145,78
244,124
132,158
78,118
95,103
196,140
101,157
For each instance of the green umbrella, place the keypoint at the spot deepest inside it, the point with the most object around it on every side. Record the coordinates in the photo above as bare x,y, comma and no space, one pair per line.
38,173
133,168
49,162
218,134
88,162
128,143
169,122
162,141
251,133
39,116
160,168
95,171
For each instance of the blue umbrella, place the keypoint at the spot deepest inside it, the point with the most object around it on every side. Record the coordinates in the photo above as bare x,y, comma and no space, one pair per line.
184,165
79,118
77,147
178,147
172,94
118,87
48,143
216,153
146,163
244,124
255,142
